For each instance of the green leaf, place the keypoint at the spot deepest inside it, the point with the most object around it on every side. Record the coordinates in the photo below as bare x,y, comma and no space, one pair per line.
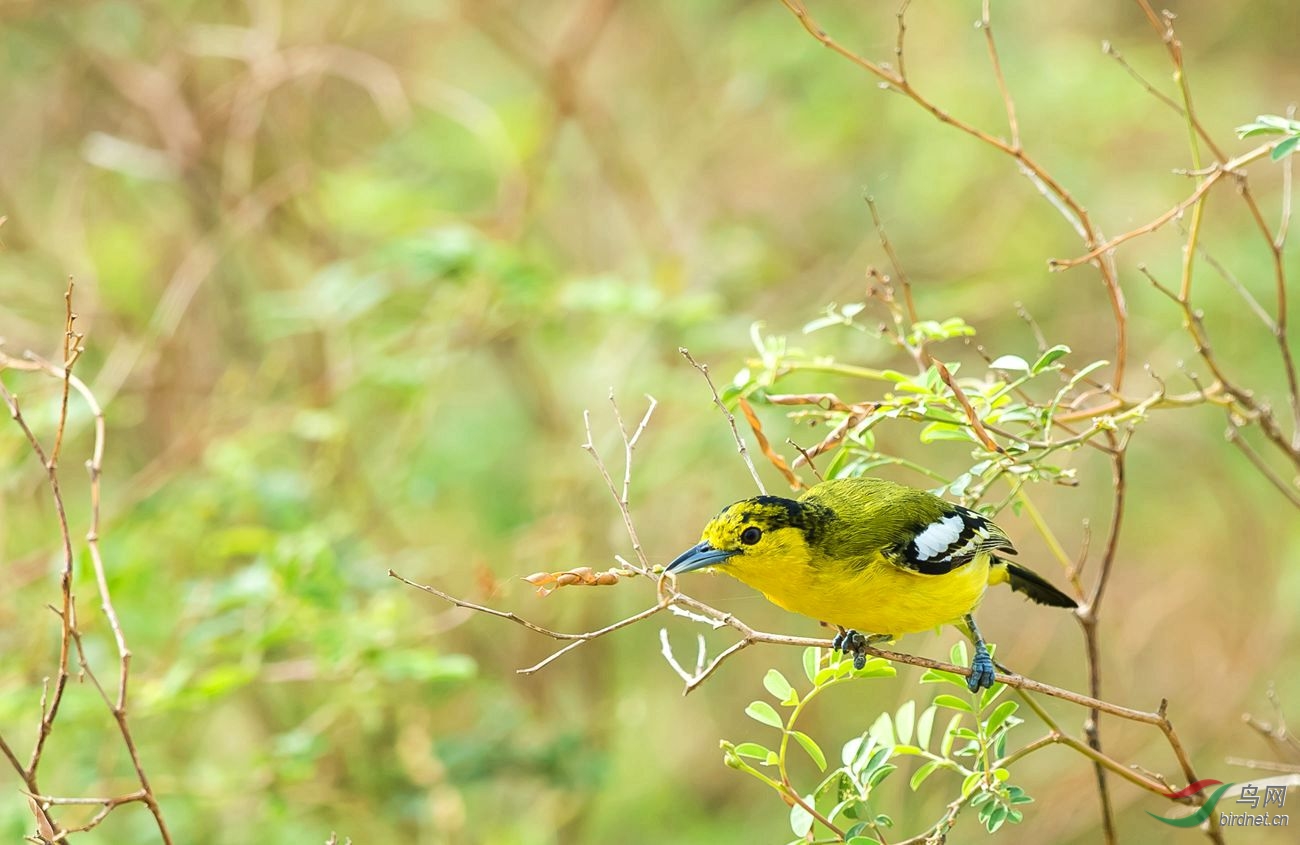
832,784
801,821
997,817
811,657
855,749
904,720
1049,357
971,783
879,774
1285,148
813,749
828,673
878,758
836,466
1010,362
924,725
822,323
761,711
1250,130
936,676
919,776
1000,715
1279,123
991,695
957,655
752,750
907,751
882,730
943,431
950,734
952,702
875,667
776,684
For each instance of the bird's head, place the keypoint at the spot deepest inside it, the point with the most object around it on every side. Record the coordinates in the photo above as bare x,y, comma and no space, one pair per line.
754,538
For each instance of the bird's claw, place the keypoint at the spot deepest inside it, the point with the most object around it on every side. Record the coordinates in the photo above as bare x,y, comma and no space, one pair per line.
981,670
851,642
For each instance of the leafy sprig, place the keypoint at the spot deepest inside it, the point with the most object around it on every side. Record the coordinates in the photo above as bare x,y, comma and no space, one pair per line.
972,746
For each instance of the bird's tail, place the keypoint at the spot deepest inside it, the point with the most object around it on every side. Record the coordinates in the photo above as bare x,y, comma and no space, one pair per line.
1031,584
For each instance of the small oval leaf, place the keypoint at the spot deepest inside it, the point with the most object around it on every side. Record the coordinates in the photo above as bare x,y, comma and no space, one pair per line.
761,711
904,720
1000,715
924,726
1049,357
776,684
801,821
1010,362
952,702
811,657
752,749
813,749
919,776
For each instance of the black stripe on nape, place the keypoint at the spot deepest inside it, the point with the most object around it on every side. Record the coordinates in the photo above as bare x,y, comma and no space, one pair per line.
809,517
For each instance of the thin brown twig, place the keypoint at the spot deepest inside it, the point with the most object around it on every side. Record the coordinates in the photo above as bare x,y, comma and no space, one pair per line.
629,442
71,352
1243,402
590,447
751,636
731,419
70,638
1088,619
1109,50
897,266
807,458
977,426
765,446
1059,196
50,706
1233,434
1009,104
900,55
1218,172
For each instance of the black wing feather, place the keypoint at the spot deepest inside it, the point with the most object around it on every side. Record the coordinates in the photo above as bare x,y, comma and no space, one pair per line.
953,540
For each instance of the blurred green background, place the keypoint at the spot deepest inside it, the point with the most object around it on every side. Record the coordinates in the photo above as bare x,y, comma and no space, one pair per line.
350,273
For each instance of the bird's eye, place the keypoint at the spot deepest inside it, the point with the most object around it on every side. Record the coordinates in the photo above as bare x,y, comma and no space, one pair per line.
751,535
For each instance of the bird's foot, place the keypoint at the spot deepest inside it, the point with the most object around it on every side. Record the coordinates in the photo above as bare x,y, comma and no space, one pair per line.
981,669
854,643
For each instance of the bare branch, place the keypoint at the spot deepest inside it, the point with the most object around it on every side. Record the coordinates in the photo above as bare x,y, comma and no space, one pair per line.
731,420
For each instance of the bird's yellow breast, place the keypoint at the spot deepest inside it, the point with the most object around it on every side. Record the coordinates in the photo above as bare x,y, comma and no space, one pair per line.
873,596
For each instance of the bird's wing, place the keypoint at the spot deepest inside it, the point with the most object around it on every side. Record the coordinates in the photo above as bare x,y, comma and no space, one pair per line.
952,540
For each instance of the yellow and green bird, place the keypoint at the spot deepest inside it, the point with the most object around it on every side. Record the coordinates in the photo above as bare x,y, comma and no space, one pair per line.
868,555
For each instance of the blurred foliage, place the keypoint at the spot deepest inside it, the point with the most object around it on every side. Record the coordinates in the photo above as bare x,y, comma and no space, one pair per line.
350,274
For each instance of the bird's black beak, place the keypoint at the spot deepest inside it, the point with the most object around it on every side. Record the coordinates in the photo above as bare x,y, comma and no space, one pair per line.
698,557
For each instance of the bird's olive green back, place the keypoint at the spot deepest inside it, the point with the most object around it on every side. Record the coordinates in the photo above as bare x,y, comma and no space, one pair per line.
870,514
